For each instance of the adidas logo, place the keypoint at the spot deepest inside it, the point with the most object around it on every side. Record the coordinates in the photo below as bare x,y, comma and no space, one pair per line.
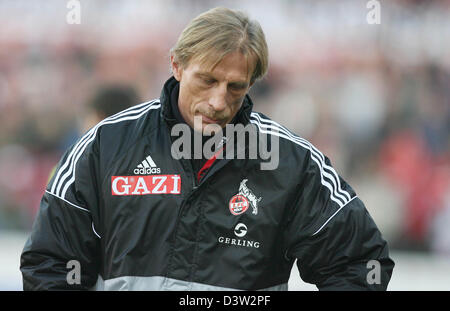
146,167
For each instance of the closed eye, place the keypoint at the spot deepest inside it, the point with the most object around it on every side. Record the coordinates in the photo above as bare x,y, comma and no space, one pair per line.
209,81
206,79
237,86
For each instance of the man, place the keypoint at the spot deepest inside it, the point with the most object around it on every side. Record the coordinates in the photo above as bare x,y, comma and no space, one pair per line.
127,213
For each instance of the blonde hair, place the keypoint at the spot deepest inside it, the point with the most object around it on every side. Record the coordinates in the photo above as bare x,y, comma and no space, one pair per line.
213,34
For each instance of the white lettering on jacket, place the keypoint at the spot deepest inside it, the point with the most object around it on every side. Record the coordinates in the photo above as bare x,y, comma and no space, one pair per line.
143,185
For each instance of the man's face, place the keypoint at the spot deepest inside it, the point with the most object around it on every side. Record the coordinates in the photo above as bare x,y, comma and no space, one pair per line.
214,96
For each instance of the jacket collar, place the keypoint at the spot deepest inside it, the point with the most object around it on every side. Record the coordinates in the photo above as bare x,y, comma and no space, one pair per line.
242,116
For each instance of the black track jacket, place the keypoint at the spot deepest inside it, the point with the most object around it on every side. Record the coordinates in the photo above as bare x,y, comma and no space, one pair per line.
135,218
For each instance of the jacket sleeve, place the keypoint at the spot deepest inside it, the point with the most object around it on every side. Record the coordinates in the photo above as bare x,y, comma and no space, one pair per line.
331,234
62,252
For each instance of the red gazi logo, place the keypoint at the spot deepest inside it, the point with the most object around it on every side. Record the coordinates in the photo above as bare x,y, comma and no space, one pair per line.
143,185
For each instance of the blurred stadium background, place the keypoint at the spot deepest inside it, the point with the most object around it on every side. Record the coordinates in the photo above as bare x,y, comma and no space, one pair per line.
374,98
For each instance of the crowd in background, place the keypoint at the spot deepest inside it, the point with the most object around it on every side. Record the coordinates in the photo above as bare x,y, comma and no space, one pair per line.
374,98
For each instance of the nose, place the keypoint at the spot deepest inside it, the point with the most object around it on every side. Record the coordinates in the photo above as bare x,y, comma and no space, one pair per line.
218,98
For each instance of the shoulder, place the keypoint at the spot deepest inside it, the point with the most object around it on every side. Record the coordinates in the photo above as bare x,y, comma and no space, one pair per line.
298,153
119,131
127,125
129,118
287,138
299,156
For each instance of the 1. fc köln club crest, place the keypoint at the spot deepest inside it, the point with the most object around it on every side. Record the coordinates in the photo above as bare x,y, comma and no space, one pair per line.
240,202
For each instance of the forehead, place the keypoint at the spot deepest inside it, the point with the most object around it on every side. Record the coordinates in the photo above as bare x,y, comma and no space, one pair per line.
231,66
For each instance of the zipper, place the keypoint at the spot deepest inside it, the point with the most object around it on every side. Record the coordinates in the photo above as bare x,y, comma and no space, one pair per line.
195,186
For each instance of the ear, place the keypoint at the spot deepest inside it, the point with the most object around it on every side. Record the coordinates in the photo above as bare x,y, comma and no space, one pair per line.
177,70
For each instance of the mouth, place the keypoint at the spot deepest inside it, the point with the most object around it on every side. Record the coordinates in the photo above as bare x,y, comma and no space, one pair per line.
208,120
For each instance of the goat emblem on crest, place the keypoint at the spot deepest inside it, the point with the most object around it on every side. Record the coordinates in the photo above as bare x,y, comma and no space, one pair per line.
252,198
